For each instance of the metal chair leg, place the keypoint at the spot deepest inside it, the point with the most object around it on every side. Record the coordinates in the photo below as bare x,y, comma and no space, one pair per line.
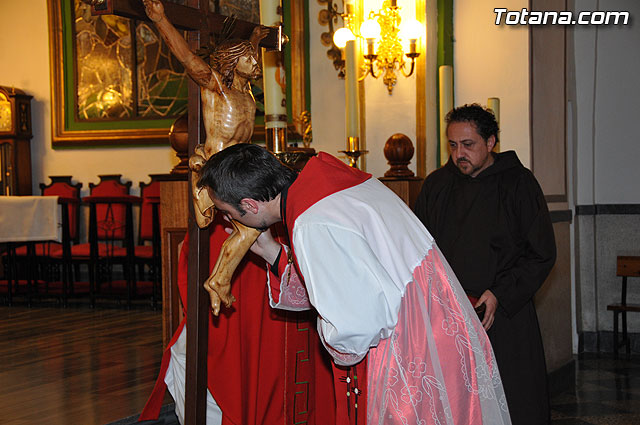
615,334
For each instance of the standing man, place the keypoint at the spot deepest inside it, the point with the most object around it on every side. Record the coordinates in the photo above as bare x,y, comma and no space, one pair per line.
489,217
389,307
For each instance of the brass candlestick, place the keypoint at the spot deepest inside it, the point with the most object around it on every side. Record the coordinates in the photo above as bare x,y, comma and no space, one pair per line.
353,151
353,157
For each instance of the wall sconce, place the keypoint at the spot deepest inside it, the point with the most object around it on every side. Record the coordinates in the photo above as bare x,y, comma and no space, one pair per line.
385,28
384,36
329,17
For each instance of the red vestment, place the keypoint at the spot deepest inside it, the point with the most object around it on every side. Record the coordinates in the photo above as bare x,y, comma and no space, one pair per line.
246,355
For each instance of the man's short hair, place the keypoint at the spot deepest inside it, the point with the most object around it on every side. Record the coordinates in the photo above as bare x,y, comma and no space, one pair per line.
225,58
243,171
482,119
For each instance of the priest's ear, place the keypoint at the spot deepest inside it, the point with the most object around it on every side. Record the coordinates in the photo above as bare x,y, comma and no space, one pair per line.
249,205
491,142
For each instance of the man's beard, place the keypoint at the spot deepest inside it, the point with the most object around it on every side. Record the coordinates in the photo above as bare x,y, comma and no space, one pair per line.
471,170
254,75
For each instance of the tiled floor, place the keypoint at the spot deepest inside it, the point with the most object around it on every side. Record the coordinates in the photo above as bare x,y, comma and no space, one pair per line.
607,391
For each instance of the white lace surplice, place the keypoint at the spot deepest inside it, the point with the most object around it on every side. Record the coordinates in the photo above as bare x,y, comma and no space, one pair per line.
382,287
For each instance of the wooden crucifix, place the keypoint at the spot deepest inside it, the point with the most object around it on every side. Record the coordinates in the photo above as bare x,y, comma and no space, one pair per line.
200,24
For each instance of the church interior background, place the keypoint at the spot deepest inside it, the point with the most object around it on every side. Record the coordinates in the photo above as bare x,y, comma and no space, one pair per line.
568,107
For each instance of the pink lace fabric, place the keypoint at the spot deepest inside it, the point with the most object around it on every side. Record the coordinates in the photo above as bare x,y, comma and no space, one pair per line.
293,294
438,366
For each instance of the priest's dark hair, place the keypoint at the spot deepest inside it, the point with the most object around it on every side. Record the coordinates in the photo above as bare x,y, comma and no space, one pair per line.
483,119
243,171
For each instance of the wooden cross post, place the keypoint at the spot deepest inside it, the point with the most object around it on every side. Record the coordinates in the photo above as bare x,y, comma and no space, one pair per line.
199,23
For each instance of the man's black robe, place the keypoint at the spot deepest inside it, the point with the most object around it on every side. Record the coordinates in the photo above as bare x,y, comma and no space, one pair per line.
496,233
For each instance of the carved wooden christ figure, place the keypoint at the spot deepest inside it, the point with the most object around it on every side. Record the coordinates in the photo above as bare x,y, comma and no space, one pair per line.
228,110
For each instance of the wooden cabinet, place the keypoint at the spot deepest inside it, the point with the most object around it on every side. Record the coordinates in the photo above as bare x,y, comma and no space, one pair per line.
15,142
407,188
174,221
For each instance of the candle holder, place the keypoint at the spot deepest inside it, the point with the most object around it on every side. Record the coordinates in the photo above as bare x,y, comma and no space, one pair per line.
353,156
295,157
276,139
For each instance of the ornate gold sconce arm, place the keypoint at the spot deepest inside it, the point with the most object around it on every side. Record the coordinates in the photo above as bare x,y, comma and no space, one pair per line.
329,17
384,55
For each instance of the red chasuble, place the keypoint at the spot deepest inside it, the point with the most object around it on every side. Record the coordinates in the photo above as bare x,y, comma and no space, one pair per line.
268,366
247,352
322,176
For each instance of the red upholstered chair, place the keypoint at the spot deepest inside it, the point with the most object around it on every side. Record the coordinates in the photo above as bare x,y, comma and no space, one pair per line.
61,280
110,185
63,187
147,250
112,265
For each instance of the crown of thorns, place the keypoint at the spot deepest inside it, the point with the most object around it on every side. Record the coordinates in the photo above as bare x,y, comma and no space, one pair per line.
214,42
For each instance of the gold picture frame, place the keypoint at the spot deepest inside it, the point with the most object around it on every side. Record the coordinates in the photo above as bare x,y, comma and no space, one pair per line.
148,132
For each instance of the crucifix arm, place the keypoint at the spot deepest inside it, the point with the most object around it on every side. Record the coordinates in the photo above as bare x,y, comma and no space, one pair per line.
197,68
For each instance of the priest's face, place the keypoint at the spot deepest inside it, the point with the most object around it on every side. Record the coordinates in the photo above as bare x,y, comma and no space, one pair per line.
253,218
469,151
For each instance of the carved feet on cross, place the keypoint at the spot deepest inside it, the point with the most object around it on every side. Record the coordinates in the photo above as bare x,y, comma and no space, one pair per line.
218,285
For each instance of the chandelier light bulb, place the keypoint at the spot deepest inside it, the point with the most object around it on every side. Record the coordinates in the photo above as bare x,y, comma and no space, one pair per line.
341,37
411,30
370,29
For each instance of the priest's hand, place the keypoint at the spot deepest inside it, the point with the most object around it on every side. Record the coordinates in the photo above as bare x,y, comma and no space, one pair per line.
491,304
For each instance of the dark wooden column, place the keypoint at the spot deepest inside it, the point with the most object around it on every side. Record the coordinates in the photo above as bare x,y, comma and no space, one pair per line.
197,299
196,19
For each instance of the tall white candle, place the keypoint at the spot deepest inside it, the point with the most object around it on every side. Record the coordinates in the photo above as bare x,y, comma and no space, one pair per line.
273,71
446,104
351,89
493,103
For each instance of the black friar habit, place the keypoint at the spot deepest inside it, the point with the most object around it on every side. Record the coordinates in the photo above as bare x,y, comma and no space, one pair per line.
496,233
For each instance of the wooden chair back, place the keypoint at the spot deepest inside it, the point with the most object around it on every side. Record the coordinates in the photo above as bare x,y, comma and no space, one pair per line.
63,187
148,192
110,185
107,227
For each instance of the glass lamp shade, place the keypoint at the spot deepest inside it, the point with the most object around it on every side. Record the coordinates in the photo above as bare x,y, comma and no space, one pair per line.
341,37
411,30
370,29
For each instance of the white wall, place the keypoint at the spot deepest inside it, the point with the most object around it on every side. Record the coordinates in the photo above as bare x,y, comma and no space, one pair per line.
24,55
385,114
607,108
327,91
493,61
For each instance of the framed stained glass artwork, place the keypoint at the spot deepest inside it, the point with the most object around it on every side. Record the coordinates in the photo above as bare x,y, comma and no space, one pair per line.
114,81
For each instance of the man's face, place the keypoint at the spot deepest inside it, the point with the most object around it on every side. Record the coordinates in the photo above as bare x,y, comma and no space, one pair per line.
469,151
248,67
245,217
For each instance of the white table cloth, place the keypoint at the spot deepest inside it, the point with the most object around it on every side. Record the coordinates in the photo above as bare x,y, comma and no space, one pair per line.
30,218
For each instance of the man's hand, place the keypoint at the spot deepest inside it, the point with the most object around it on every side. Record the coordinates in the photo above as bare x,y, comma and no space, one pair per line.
154,9
491,304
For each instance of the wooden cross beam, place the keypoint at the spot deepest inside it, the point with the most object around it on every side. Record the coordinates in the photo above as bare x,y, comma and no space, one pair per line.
200,23
189,19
